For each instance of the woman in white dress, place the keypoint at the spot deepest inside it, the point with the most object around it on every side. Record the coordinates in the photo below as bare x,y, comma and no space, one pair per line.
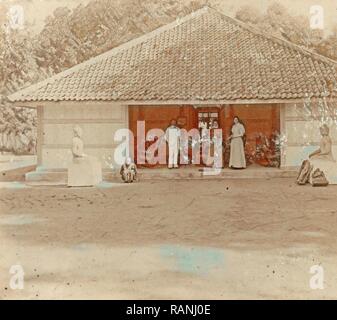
237,158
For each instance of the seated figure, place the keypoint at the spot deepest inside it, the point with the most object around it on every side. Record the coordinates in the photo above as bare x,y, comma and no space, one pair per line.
128,171
323,159
324,152
84,170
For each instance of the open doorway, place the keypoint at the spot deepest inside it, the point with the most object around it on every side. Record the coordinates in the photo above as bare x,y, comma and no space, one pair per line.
262,125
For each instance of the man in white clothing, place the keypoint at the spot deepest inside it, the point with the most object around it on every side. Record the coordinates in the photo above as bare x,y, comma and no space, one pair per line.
172,137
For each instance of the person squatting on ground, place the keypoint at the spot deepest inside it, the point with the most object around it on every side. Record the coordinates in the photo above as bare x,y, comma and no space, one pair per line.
128,171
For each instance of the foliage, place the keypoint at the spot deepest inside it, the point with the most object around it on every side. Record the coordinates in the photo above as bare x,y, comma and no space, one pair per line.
71,37
17,129
279,22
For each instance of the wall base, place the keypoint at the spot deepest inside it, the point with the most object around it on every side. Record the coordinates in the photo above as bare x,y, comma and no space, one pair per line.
59,177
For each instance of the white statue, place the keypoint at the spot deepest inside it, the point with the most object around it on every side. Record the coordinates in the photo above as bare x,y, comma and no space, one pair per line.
321,167
323,158
324,152
84,170
78,146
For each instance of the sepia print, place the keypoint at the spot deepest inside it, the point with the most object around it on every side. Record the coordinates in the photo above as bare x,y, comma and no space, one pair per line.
165,149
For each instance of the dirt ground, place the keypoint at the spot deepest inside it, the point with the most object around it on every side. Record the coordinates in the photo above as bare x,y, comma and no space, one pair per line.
200,239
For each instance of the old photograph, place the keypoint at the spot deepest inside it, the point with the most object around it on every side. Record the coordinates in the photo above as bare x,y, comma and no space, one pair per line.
168,150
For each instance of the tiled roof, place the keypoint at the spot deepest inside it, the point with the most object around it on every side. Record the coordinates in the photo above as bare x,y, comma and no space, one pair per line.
204,56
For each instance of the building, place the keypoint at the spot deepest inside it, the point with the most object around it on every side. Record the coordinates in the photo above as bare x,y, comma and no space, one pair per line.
204,66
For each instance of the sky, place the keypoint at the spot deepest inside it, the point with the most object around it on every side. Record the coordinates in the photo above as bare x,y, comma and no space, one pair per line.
37,10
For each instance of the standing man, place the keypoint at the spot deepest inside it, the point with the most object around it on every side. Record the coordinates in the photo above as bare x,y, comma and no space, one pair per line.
172,137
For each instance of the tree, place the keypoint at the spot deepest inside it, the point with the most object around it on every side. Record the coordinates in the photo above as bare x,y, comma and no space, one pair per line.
17,129
296,29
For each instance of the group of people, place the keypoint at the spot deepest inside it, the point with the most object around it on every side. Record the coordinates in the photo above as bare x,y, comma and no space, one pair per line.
237,153
237,159
320,169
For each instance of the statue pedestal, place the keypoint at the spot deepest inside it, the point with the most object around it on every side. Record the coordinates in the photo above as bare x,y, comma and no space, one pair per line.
328,167
84,172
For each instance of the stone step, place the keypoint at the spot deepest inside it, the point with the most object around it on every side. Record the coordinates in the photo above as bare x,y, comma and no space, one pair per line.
54,177
59,177
17,174
224,174
14,168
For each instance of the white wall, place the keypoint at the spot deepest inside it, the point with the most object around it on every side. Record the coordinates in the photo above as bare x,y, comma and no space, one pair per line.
98,120
302,135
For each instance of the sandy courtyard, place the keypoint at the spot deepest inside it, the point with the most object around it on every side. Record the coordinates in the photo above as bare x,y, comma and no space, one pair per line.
201,239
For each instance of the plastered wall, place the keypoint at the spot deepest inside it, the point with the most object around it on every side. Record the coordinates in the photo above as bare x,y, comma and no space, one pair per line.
99,122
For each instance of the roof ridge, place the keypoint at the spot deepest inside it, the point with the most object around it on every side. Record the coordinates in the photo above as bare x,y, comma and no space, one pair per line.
256,31
178,21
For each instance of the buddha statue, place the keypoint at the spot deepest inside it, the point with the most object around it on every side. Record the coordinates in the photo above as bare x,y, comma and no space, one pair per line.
78,146
324,152
84,170
323,158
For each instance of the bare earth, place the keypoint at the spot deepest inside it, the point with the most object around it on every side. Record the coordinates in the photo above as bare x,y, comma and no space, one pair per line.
201,239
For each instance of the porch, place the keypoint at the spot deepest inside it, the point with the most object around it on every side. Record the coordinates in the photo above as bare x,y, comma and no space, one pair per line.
192,172
262,123
59,176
